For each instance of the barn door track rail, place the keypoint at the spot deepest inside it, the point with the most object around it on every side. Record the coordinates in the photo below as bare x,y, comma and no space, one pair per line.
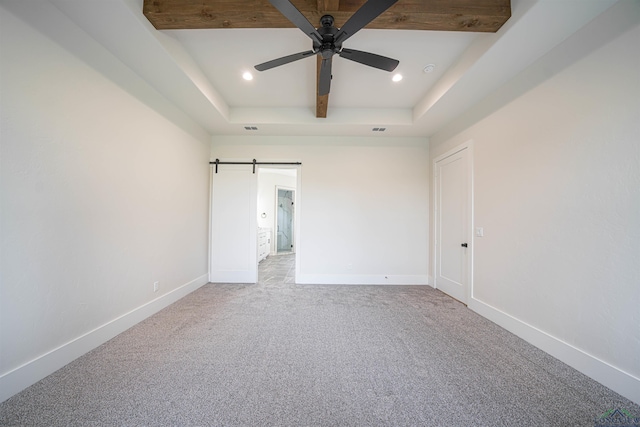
254,163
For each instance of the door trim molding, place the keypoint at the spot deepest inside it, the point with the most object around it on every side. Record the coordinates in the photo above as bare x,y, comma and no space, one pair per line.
468,145
210,231
297,216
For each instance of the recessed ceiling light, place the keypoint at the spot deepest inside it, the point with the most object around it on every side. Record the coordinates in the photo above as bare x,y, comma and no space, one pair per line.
429,68
397,77
247,76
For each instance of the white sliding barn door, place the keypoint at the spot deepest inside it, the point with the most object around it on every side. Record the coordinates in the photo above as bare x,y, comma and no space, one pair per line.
453,222
234,225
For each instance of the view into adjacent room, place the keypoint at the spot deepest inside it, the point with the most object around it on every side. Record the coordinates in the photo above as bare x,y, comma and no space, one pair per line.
276,211
284,220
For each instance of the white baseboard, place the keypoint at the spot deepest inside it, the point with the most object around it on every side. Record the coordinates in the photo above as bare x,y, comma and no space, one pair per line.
617,380
361,279
31,372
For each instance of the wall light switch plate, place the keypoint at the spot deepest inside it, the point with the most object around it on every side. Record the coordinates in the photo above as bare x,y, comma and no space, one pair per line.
479,232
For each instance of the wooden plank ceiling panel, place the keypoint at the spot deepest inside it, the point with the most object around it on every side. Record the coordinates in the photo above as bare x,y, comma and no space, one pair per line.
435,15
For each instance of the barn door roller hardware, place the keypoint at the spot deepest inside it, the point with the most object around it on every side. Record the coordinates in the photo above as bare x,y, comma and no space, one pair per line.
254,163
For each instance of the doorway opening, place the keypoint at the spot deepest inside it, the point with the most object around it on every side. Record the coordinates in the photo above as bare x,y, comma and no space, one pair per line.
277,213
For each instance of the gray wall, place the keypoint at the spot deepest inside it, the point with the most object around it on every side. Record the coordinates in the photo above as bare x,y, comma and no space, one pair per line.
557,191
101,196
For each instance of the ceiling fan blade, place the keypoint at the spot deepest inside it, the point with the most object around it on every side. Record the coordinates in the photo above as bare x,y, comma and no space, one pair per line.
370,59
284,60
367,13
324,80
297,18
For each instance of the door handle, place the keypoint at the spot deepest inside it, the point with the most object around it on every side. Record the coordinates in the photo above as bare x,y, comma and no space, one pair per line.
464,245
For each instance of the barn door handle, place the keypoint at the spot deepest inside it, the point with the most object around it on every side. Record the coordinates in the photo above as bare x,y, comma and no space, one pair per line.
464,245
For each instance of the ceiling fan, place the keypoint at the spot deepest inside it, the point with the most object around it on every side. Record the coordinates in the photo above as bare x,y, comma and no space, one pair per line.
327,40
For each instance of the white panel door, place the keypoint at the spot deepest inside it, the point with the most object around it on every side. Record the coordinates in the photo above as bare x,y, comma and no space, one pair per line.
234,225
453,245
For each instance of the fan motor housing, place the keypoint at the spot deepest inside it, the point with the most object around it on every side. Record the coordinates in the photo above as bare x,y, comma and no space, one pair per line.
327,31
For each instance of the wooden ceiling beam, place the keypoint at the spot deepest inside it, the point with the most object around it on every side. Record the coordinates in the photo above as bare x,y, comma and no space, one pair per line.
434,15
325,6
322,101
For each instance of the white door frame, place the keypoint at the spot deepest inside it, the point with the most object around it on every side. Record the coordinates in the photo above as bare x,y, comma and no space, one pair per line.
297,216
210,251
470,235
297,223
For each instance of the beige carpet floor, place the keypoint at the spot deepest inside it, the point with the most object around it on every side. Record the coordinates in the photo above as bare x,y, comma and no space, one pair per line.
279,354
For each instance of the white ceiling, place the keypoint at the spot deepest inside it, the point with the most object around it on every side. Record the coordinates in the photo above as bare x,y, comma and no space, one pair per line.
224,55
200,71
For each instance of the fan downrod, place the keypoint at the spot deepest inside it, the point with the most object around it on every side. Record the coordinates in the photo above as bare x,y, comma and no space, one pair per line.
326,21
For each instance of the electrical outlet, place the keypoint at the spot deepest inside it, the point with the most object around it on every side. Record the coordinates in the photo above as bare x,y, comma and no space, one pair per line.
155,286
